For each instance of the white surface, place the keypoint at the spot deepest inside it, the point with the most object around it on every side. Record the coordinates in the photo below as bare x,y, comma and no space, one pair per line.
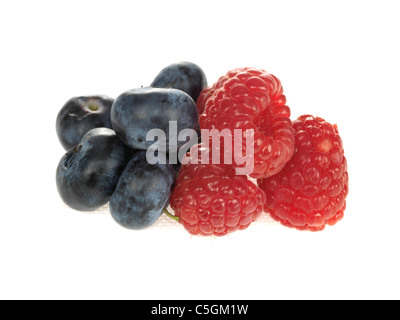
339,60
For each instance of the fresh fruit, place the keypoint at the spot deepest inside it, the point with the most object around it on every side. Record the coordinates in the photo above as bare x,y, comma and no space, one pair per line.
81,114
185,76
137,111
131,152
310,191
250,98
209,199
88,173
142,192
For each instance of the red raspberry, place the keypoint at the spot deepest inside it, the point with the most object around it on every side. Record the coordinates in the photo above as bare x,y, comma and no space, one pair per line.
210,200
310,191
249,98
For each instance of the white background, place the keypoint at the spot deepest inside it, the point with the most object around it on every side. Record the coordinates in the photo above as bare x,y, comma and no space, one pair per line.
336,59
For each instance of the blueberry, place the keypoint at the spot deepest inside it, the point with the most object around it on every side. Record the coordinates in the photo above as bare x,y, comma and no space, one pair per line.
88,173
142,192
185,76
137,111
81,114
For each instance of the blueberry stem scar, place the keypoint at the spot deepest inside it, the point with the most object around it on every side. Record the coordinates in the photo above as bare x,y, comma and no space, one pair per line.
93,106
169,215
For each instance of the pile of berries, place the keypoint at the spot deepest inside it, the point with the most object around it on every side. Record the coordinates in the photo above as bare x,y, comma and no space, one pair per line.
141,152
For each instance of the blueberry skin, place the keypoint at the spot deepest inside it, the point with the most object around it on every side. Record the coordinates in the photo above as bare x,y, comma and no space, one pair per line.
81,114
88,173
137,111
185,76
142,192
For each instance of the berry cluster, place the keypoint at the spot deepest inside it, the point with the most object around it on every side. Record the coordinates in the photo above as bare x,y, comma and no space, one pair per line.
105,139
299,167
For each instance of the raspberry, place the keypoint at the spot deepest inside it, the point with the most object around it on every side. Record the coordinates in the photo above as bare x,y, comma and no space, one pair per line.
248,98
210,200
310,191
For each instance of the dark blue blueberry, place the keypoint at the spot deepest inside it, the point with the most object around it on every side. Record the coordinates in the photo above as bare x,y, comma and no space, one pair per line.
81,114
142,192
88,173
135,112
185,76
